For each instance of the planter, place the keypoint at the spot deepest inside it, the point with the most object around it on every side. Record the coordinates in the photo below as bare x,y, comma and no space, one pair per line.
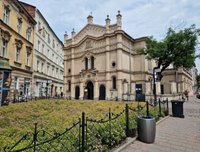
146,129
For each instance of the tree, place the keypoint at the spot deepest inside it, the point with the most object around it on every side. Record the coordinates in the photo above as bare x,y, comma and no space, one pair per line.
177,48
198,81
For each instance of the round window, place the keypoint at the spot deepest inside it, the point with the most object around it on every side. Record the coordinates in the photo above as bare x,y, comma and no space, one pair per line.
113,64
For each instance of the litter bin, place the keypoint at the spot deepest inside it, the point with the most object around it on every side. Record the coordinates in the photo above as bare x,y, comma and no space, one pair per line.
146,129
177,108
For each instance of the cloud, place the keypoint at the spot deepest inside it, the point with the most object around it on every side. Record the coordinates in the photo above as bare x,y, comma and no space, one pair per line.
140,17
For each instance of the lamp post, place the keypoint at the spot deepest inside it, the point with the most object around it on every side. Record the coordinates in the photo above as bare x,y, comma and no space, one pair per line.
155,70
5,81
47,89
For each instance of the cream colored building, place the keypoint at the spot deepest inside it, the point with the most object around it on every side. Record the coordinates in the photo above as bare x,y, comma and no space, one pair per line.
101,62
16,44
48,55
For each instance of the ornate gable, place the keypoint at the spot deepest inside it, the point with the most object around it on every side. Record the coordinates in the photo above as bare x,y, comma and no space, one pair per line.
90,30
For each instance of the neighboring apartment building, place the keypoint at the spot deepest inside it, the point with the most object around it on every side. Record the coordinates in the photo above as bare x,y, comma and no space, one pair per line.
101,62
16,44
47,58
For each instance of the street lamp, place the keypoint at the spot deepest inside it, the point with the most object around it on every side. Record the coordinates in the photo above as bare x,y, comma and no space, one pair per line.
155,70
47,84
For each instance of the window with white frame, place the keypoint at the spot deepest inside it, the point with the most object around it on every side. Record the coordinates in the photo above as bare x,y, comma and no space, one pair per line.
43,48
49,40
6,14
19,25
38,65
16,83
53,71
48,69
39,27
38,46
4,48
53,44
42,67
28,33
17,56
28,54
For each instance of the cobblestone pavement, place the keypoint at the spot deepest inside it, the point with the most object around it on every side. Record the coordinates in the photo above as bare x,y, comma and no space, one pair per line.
175,134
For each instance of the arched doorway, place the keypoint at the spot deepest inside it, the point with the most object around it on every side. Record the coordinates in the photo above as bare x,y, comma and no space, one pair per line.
102,92
77,92
90,91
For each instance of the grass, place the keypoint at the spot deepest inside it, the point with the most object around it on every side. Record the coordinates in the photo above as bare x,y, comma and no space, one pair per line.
18,119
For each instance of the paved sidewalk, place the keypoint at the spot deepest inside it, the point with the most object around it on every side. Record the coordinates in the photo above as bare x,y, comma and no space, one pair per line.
175,134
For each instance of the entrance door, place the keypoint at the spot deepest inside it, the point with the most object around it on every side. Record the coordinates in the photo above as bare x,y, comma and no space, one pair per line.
90,90
77,92
102,92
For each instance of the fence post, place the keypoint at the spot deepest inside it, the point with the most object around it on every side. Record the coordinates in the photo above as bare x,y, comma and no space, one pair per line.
83,131
109,116
159,102
35,137
147,106
167,106
127,120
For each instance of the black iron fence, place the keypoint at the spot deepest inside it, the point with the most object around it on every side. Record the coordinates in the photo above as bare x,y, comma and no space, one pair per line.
88,134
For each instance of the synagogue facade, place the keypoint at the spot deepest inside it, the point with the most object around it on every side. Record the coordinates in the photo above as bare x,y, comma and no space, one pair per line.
102,62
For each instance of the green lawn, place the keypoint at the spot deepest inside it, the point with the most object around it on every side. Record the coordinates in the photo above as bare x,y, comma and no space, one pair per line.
18,119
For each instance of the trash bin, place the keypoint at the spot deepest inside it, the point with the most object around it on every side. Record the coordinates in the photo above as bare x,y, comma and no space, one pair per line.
146,129
177,108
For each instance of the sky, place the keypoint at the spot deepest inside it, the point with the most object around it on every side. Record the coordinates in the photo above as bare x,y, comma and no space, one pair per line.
139,17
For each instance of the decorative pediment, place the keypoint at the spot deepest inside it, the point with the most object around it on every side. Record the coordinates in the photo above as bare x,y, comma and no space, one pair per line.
18,43
5,35
88,73
29,49
91,30
87,54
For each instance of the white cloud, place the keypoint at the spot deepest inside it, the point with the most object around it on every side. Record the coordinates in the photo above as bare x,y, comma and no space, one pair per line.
140,17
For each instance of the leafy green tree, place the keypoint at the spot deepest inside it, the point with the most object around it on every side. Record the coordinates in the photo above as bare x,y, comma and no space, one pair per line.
177,48
198,81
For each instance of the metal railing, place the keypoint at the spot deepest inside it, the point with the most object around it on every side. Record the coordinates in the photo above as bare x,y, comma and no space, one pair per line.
88,134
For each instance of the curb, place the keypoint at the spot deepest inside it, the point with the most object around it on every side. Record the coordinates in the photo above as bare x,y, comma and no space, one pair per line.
129,140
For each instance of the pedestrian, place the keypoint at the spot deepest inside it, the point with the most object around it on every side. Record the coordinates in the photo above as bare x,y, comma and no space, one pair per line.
186,94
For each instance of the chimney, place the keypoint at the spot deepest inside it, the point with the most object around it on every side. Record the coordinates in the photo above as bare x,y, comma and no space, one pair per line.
90,19
119,20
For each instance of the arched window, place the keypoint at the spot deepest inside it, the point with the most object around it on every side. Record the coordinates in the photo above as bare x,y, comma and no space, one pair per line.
92,62
86,63
114,86
69,85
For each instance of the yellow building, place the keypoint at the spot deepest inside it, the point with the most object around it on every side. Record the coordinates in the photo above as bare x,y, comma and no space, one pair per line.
16,43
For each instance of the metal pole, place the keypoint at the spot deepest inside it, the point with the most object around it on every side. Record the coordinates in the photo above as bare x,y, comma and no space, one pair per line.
167,107
83,131
35,137
154,85
147,108
110,134
159,107
127,120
